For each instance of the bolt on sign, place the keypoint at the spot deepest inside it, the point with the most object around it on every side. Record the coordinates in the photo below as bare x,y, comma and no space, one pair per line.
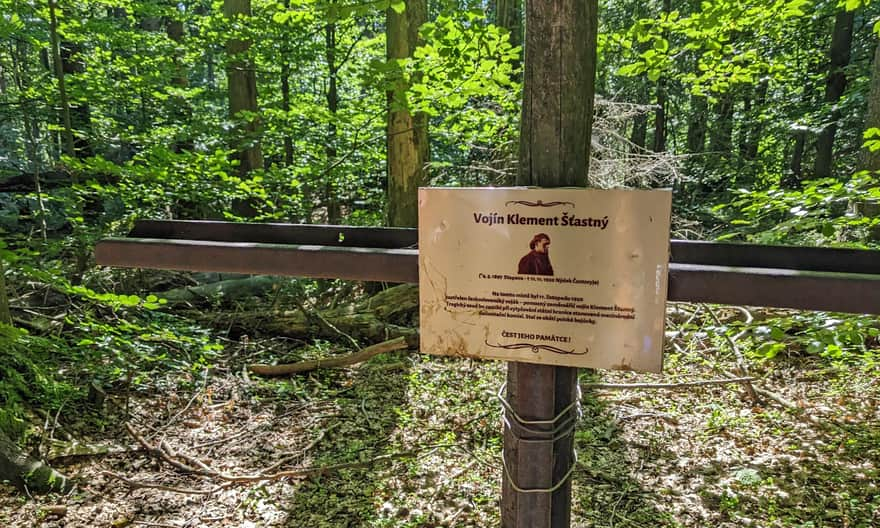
573,277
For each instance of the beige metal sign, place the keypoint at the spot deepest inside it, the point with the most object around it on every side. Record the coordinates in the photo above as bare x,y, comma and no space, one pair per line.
572,277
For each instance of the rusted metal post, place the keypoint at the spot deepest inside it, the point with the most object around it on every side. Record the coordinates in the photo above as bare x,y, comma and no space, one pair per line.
557,111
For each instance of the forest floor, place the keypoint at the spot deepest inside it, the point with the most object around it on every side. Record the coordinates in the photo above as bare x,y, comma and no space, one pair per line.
407,440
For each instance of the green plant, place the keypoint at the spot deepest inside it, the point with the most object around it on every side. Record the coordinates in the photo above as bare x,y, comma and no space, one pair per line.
839,338
822,213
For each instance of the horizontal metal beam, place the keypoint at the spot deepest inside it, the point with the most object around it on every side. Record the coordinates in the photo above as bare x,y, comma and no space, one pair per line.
781,288
303,234
777,288
839,260
322,262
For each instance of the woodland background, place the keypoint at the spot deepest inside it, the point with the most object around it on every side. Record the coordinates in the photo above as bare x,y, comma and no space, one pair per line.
764,117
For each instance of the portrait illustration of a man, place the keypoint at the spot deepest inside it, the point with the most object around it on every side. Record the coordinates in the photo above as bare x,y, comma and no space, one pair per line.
537,261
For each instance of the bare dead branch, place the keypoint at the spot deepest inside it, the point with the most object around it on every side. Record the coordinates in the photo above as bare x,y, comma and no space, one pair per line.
360,356
671,386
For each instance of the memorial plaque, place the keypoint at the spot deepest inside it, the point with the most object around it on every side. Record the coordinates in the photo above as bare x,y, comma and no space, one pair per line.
574,277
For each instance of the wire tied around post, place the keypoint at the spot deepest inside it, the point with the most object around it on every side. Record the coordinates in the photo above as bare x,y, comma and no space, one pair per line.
517,425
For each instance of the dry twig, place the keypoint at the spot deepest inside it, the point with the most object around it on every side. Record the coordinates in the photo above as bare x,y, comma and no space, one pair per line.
671,386
740,361
197,467
360,356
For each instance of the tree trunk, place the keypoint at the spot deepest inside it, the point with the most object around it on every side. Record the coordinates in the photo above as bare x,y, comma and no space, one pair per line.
67,126
871,160
407,134
835,85
660,114
285,106
331,195
27,473
696,132
660,118
386,315
5,313
720,140
557,114
795,174
508,15
639,134
242,80
180,109
285,99
640,130
753,126
31,129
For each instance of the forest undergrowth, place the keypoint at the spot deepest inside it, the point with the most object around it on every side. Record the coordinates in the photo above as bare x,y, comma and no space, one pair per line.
408,440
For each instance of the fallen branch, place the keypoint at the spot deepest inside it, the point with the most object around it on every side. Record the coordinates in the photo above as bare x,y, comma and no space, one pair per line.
160,453
671,386
135,484
164,453
740,361
360,356
799,411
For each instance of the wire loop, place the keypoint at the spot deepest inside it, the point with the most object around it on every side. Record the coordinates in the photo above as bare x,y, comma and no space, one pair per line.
517,424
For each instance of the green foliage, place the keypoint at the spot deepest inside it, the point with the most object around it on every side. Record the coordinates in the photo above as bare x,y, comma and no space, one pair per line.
840,339
110,339
463,57
822,213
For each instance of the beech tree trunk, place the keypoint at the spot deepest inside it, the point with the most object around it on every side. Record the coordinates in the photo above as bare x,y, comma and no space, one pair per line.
871,160
407,133
835,85
242,81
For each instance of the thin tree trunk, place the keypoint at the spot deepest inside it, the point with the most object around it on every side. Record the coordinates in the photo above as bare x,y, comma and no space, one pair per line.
242,81
835,85
795,173
5,313
331,198
696,132
67,126
754,126
660,118
407,134
720,141
285,100
871,160
662,96
80,112
180,107
285,106
30,128
508,15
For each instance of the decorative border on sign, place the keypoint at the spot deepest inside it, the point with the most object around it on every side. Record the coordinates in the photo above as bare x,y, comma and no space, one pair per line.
539,203
537,348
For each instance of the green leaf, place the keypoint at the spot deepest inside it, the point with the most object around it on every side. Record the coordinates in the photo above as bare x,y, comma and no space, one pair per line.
398,7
